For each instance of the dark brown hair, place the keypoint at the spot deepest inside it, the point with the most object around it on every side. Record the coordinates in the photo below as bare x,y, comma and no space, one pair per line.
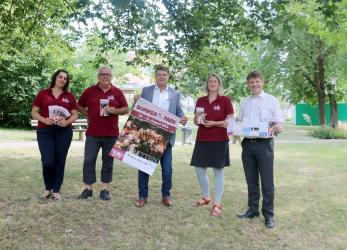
54,78
254,74
163,68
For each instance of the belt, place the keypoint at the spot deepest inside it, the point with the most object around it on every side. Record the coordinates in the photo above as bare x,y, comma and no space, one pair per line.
258,139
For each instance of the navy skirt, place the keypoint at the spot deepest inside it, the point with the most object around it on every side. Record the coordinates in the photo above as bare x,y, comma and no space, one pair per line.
211,154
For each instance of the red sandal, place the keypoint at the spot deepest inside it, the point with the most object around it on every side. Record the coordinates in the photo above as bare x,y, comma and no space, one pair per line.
201,202
216,210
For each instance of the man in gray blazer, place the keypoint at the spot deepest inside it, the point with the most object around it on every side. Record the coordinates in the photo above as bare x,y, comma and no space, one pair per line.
169,99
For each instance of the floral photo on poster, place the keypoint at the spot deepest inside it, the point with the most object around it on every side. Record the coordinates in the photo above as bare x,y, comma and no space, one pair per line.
143,139
145,136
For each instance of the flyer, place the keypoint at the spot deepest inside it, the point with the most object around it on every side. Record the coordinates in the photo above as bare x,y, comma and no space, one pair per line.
248,128
103,106
58,111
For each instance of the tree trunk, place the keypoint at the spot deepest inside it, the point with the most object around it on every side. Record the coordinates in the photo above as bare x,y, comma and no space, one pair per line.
333,111
320,87
321,108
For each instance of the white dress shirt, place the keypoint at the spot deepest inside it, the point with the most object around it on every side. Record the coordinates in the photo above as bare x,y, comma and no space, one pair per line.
263,107
161,98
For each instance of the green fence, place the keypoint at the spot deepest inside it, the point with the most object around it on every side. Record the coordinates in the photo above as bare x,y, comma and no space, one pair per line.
312,111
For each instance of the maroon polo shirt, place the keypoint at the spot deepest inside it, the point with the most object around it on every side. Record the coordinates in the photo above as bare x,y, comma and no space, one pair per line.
216,111
45,98
102,125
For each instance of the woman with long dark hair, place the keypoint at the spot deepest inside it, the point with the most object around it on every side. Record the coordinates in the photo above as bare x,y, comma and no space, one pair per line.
55,109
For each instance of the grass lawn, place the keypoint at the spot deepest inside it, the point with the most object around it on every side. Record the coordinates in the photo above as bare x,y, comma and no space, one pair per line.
299,133
310,205
21,135
8,135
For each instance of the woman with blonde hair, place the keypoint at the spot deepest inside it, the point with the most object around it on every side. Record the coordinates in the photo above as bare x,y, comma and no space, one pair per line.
212,143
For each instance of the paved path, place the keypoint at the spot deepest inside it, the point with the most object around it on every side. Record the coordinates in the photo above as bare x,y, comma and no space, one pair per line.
291,135
79,144
313,141
25,144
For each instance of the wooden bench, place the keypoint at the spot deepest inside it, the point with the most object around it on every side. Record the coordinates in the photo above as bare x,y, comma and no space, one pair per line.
80,126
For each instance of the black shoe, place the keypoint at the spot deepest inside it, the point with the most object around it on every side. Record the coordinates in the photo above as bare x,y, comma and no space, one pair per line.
85,194
248,215
105,195
269,222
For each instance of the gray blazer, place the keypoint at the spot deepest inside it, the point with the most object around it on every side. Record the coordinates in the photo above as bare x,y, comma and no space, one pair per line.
174,103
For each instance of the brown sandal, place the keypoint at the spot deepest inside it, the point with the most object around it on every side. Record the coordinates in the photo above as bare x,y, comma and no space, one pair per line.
46,195
201,202
216,210
141,203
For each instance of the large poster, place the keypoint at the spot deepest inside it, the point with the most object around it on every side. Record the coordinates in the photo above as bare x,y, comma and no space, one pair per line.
145,136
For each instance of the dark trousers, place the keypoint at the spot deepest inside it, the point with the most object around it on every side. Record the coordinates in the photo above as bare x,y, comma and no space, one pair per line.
166,173
91,150
54,143
258,158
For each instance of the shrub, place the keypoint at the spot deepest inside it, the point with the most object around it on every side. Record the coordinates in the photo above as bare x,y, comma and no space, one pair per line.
329,133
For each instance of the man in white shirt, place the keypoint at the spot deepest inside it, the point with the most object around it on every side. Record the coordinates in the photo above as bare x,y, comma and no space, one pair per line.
258,153
169,99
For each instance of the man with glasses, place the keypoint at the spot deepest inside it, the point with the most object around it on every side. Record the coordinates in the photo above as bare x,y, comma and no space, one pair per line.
101,103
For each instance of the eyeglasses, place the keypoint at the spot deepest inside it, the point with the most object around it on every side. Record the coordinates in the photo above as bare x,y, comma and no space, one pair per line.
105,74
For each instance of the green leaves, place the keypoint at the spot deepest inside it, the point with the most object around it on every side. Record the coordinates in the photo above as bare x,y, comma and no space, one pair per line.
283,39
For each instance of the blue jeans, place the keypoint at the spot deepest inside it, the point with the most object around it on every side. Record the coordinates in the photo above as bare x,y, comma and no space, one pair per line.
166,173
54,143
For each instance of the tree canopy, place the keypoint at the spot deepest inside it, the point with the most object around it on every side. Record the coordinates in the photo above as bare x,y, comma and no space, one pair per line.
298,45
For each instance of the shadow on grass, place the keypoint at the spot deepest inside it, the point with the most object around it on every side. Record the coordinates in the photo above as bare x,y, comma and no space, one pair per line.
310,206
